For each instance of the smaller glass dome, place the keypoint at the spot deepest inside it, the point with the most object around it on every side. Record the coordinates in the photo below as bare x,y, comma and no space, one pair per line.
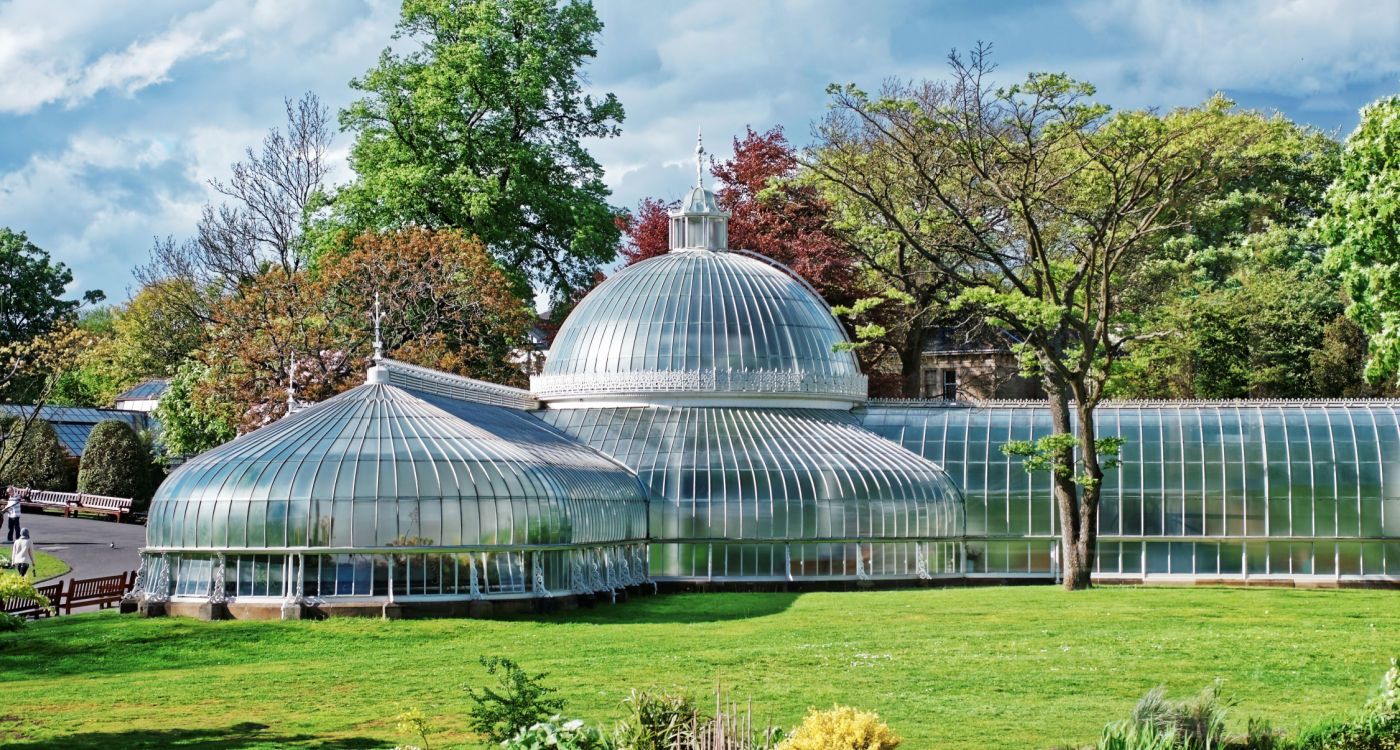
379,466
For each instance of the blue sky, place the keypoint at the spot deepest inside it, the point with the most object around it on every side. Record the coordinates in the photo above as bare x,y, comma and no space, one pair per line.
114,116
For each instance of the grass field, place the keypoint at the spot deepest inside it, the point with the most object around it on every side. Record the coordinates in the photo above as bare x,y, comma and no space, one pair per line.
951,668
45,566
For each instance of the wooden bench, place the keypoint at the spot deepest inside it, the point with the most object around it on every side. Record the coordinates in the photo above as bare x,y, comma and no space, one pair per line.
44,500
111,506
23,607
103,592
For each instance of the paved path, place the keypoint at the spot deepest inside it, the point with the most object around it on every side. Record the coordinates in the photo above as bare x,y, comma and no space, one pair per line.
91,548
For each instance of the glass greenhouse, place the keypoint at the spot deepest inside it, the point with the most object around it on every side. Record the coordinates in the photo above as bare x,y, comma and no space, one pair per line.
697,422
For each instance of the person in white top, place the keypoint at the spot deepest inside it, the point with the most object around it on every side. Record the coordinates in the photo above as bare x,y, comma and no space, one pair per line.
12,514
22,555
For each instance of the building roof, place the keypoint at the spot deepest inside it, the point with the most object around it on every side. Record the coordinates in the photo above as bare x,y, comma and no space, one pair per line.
146,390
381,466
74,423
770,474
700,321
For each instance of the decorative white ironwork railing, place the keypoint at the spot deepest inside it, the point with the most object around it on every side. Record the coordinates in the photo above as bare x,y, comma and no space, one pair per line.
701,381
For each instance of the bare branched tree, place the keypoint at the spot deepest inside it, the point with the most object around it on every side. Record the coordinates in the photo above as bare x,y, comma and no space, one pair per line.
270,196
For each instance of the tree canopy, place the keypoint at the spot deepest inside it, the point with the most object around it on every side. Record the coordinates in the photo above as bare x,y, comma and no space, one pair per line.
1362,228
31,289
479,126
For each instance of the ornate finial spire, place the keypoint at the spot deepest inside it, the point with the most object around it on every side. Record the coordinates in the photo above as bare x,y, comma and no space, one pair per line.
378,340
292,385
699,159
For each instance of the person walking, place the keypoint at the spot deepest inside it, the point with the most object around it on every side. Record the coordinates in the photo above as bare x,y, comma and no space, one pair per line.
12,506
22,554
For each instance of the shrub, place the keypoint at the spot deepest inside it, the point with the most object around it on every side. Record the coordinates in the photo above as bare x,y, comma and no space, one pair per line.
38,461
1130,735
557,734
1192,724
114,462
841,728
414,723
521,702
654,721
14,586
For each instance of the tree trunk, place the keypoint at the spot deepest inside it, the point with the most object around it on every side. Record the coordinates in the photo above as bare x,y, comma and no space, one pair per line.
1072,553
911,360
1090,490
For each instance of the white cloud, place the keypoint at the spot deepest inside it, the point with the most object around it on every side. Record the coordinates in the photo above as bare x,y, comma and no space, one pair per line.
1284,46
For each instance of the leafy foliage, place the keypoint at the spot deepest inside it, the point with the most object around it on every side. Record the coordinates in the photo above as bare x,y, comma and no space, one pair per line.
841,728
15,586
654,721
37,460
558,734
1049,453
193,418
31,289
1362,229
479,125
519,702
115,462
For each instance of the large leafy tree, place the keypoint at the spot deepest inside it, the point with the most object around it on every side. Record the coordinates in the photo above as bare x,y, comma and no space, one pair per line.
1234,299
445,302
1038,205
479,125
1362,228
31,289
193,418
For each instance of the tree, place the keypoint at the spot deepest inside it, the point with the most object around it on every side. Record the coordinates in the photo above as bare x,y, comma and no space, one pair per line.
272,201
1362,229
192,417
37,460
480,127
1037,205
31,290
114,462
1234,298
446,304
647,233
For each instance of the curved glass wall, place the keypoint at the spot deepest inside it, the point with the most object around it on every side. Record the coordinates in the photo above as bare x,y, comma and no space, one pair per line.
383,490
700,320
778,494
1206,490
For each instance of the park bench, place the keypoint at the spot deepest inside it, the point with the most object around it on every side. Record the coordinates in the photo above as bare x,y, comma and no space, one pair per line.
120,507
43,499
104,591
23,607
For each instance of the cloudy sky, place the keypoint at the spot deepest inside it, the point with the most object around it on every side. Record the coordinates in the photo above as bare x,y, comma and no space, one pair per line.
114,115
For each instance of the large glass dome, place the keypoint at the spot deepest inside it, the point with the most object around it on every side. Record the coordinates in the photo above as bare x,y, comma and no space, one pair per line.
701,321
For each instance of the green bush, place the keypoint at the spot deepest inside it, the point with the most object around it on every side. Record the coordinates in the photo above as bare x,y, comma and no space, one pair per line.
15,586
557,734
1191,724
654,721
115,463
521,702
38,461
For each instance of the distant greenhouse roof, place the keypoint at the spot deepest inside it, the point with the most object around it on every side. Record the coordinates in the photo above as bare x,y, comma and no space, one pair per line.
74,423
146,390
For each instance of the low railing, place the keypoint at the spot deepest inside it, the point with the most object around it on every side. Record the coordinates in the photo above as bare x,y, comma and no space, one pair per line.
63,596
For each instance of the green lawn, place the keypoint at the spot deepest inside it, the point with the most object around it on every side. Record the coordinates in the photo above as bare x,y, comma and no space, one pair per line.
951,668
45,566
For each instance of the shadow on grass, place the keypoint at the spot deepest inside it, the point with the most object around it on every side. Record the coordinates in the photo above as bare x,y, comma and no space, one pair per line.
245,735
669,609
